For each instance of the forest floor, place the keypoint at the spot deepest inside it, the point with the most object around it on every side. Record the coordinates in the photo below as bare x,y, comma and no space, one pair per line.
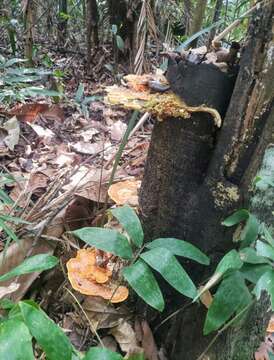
61,155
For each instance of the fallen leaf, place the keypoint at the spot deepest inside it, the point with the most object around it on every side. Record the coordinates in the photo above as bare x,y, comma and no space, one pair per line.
13,132
125,336
117,130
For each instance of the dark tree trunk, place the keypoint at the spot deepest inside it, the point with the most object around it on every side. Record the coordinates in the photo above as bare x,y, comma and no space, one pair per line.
195,175
92,28
216,17
62,23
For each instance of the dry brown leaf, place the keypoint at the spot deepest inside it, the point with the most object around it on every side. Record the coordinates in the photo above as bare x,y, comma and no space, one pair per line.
206,297
125,192
125,336
29,112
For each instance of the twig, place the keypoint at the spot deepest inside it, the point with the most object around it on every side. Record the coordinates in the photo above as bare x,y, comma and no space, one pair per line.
139,124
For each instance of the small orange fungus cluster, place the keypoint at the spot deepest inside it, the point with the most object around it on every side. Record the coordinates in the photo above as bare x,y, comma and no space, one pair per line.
89,277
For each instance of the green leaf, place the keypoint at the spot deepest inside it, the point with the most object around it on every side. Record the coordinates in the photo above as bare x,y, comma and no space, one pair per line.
252,273
14,61
14,219
250,231
33,91
120,42
5,198
15,341
131,223
271,356
114,29
8,230
267,235
142,280
79,93
266,282
32,264
163,261
101,354
88,99
105,239
180,248
231,297
231,261
6,304
249,255
236,218
265,250
136,356
48,335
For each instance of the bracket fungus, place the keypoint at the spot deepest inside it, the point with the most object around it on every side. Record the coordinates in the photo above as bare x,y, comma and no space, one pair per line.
125,192
90,278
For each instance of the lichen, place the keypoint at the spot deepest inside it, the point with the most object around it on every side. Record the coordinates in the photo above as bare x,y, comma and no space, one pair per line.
225,194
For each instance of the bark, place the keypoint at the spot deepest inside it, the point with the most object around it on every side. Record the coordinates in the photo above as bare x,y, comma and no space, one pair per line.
62,23
198,16
195,175
216,17
92,29
29,29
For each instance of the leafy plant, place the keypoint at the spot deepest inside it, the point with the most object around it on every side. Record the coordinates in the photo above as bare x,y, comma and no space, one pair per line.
242,275
83,101
159,255
17,82
118,40
26,323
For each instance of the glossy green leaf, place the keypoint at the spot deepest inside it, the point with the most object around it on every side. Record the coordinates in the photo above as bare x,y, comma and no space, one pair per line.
48,335
180,248
143,282
163,261
266,282
236,218
106,240
15,341
34,263
231,261
252,273
131,223
249,255
101,354
250,231
265,250
231,297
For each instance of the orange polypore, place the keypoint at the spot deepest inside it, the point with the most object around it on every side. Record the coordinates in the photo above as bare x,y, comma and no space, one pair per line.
125,192
88,278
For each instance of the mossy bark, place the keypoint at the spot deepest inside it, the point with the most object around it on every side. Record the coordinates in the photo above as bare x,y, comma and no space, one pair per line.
196,175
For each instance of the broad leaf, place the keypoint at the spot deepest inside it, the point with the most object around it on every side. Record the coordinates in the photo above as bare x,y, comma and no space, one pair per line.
48,335
120,42
142,280
250,231
163,261
32,264
266,282
180,248
131,223
236,218
265,250
101,354
252,273
231,297
267,235
15,341
231,261
249,255
105,239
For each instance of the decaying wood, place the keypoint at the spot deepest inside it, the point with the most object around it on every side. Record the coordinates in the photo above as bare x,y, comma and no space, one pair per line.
195,176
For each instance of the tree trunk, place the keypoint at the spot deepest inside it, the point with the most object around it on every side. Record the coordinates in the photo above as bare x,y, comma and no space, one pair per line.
92,29
29,28
197,21
216,17
195,175
62,23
